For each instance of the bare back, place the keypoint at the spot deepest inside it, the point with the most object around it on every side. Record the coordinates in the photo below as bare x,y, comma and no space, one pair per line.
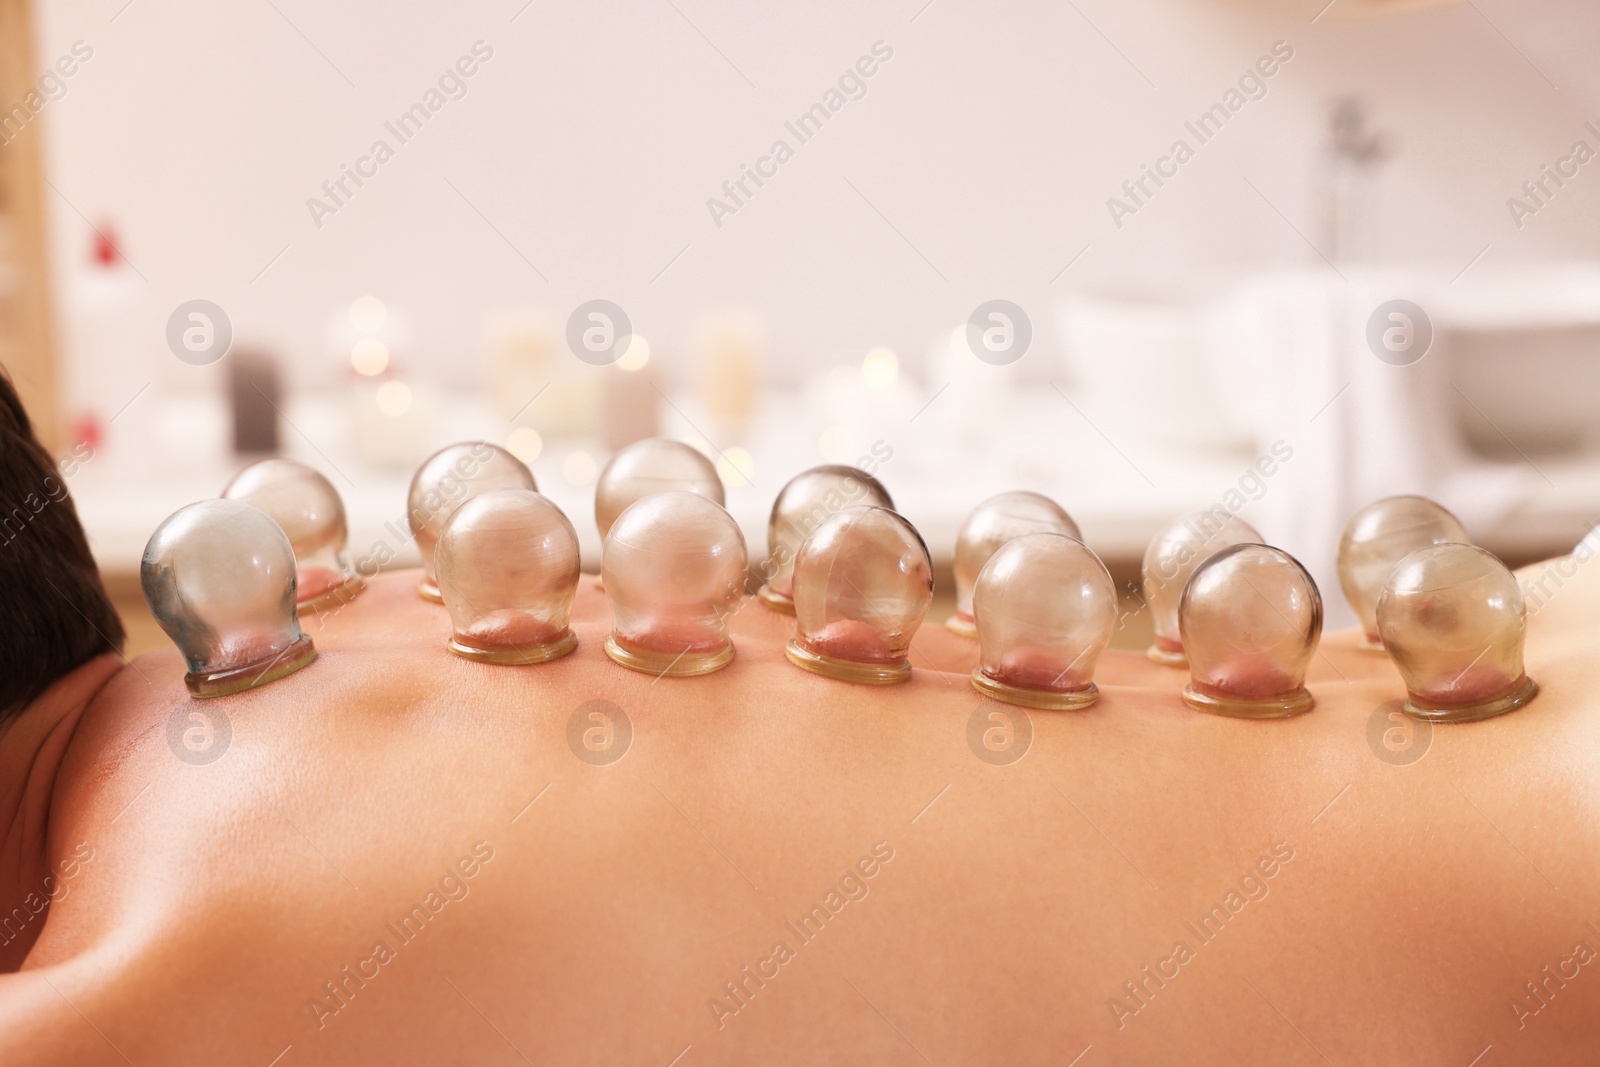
403,856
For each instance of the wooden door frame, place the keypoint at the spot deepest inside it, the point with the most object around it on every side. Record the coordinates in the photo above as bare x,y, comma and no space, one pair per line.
28,347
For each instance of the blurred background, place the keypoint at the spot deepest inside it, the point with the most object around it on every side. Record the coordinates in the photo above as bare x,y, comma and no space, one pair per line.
1200,214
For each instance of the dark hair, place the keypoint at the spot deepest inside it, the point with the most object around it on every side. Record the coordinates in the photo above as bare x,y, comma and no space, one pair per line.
54,611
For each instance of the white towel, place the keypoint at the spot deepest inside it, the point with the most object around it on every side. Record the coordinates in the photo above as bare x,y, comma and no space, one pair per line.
1290,355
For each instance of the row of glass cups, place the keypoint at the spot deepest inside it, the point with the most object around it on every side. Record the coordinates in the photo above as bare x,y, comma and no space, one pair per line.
1244,617
1449,614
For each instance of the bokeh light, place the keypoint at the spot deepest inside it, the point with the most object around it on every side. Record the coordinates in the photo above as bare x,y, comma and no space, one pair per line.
736,467
880,370
394,399
370,357
525,443
636,356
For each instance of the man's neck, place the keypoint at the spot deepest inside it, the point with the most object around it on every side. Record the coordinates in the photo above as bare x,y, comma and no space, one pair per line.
32,745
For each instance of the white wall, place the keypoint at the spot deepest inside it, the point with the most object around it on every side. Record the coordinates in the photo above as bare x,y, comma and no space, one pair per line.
594,136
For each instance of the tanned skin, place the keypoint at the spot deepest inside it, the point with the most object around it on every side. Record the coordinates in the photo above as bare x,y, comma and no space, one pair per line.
228,910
